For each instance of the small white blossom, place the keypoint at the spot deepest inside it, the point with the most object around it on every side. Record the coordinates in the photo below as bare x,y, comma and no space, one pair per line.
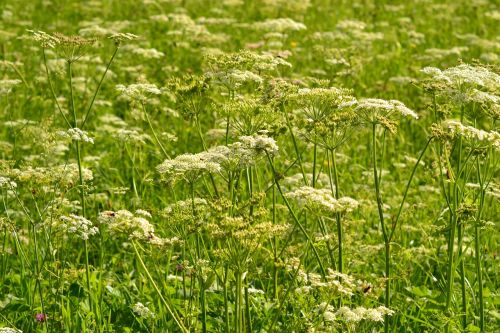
7,183
143,311
7,85
189,166
322,199
9,330
138,91
76,134
78,225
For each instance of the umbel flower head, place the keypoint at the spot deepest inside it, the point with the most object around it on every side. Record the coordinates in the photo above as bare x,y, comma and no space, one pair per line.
77,225
121,37
189,166
467,84
232,70
76,134
232,157
71,48
452,129
134,225
7,85
464,76
140,92
143,311
320,117
321,200
244,153
380,111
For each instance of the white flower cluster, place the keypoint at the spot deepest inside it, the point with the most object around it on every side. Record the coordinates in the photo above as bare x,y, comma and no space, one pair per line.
7,85
138,91
185,205
279,25
189,166
235,156
355,315
45,40
145,53
78,225
322,200
135,226
234,78
380,107
474,135
122,221
121,37
464,74
143,311
234,69
260,142
334,282
9,330
65,175
6,182
76,134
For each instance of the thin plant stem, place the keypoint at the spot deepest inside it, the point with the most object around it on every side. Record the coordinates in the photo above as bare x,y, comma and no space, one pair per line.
52,90
296,220
477,248
98,88
387,301
169,308
153,131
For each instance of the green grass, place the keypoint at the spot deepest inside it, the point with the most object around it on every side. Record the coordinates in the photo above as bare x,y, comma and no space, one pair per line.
304,205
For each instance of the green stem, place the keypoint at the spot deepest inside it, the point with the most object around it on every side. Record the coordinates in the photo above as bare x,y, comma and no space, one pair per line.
315,157
52,90
407,188
477,247
296,220
387,301
163,300
98,88
153,131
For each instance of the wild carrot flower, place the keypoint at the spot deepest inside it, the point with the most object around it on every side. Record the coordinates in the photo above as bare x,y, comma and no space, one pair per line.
143,311
44,39
6,86
139,91
76,134
189,166
451,129
77,225
322,200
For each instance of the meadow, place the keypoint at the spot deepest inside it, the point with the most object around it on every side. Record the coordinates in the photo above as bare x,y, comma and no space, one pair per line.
249,166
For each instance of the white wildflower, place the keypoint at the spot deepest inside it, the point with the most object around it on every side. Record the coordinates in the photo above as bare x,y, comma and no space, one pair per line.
474,135
464,75
7,85
322,199
279,25
260,142
76,134
138,91
385,107
121,37
78,225
46,40
143,311
7,183
189,166
9,330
